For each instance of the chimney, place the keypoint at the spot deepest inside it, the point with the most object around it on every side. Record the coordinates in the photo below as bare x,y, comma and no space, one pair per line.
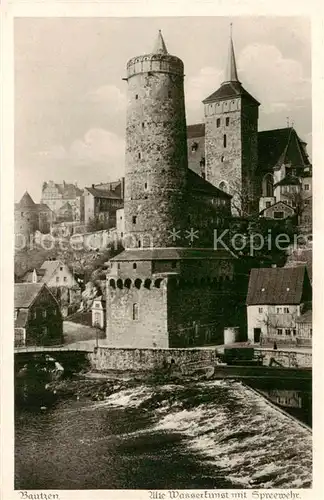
93,186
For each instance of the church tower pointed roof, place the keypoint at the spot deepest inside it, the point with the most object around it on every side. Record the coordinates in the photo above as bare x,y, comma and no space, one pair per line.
231,70
160,47
26,200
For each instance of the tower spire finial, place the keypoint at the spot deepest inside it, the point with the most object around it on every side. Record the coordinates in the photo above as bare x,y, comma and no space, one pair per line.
231,71
160,47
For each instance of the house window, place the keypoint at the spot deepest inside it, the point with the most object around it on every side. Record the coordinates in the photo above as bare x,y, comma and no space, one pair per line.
287,332
134,265
311,331
139,156
118,266
136,96
44,330
306,187
134,219
135,311
279,310
227,122
65,279
218,122
139,243
260,310
44,313
224,141
279,331
194,146
169,93
294,332
57,279
268,204
286,310
278,215
61,268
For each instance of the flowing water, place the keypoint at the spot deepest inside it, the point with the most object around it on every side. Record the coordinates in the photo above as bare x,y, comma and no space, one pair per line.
217,434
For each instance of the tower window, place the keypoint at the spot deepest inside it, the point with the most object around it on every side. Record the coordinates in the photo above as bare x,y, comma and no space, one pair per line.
139,243
224,140
222,158
145,185
169,93
134,219
227,122
218,122
134,265
135,311
139,156
194,146
143,124
136,96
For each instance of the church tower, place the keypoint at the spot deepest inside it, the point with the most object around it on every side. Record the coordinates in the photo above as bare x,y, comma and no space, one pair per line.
156,151
231,139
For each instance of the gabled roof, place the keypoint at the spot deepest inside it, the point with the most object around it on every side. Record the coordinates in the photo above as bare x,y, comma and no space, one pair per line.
283,285
173,254
49,266
26,293
195,130
278,203
198,183
280,146
100,193
289,180
229,90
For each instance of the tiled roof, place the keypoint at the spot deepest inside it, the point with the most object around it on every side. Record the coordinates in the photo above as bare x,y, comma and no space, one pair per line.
283,285
228,90
279,146
173,254
100,193
198,183
196,130
26,293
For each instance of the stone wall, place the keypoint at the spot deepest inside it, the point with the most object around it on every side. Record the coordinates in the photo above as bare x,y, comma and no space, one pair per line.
291,359
148,359
137,316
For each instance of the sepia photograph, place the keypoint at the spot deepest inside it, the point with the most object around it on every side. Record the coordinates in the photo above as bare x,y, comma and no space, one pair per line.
163,243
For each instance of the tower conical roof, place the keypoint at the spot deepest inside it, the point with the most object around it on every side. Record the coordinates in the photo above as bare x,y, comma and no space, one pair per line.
160,47
26,201
231,71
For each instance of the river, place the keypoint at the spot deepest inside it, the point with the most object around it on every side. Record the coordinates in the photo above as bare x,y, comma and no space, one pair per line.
215,434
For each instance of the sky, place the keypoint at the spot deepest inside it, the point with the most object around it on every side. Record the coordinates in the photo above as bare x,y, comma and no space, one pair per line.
70,99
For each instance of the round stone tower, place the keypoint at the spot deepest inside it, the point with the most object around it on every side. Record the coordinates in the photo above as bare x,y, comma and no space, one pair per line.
156,149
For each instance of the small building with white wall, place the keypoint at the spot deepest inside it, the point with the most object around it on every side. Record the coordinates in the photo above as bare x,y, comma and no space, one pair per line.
276,298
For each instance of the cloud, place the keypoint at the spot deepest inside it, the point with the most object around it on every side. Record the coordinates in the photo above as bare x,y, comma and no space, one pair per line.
98,147
108,95
197,88
277,82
